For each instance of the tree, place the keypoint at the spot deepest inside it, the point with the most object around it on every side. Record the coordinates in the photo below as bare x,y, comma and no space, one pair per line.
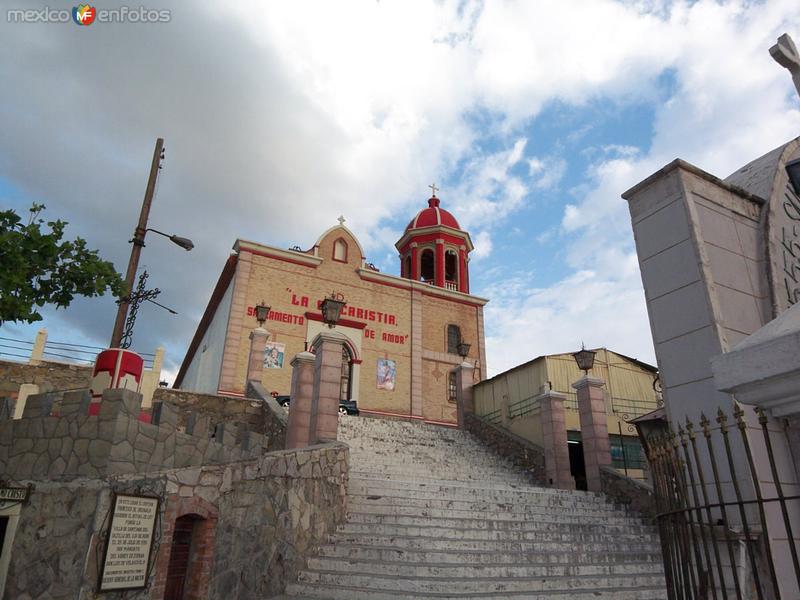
38,268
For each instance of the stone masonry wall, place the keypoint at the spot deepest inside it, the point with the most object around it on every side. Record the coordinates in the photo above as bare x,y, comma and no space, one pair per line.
516,449
48,376
113,442
627,491
263,518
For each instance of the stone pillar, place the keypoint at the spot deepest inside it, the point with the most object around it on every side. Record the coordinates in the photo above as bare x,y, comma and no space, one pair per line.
414,262
25,390
463,283
324,423
594,429
37,352
255,362
298,429
464,398
554,440
438,273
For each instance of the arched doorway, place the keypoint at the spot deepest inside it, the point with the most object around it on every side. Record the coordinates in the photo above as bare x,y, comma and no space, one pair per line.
180,557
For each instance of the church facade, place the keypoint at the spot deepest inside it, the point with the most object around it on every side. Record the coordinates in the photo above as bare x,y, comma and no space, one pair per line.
403,333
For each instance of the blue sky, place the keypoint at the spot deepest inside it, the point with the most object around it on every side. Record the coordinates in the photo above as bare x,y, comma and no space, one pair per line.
531,117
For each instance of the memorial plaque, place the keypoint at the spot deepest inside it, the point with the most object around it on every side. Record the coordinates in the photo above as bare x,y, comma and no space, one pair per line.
130,538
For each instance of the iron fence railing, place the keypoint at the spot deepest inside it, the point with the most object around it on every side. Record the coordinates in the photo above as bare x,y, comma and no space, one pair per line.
712,511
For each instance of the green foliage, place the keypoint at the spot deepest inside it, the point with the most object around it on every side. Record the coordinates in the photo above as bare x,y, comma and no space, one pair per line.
38,268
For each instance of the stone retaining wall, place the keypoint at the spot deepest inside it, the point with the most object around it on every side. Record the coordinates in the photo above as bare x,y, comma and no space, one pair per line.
628,492
113,442
519,451
48,376
267,514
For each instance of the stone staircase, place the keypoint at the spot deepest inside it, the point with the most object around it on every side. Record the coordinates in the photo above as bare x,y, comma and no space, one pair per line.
434,514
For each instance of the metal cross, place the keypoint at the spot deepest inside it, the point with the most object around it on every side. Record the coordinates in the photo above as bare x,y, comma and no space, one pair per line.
785,54
341,220
434,188
134,300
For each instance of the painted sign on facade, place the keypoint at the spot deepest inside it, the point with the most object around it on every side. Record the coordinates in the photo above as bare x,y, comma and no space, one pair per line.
273,355
387,374
130,538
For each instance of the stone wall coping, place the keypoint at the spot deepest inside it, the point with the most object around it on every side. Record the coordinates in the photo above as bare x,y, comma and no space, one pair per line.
587,381
327,336
303,357
550,394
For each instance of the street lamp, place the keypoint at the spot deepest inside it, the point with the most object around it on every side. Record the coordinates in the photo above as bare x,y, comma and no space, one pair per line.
585,359
183,242
138,243
262,312
463,349
793,171
332,308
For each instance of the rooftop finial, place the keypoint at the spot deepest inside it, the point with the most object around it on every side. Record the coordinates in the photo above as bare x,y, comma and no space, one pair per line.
434,188
341,220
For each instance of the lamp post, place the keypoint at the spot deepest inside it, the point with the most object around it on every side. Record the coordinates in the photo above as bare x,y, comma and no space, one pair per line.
332,309
463,350
138,242
585,359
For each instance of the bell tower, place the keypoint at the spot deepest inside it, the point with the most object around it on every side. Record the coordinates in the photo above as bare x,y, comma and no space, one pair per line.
435,250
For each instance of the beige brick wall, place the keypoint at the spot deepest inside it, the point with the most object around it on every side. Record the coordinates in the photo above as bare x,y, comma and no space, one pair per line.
294,289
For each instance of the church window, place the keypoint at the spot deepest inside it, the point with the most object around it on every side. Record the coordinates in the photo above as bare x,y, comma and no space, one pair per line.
340,250
453,338
427,265
451,266
451,387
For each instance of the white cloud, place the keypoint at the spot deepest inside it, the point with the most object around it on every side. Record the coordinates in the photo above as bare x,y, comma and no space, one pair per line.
546,173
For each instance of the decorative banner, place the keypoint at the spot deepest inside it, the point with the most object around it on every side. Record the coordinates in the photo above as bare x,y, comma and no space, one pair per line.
130,538
387,374
273,355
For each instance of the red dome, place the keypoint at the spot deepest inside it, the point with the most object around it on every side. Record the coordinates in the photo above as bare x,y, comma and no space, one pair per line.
433,216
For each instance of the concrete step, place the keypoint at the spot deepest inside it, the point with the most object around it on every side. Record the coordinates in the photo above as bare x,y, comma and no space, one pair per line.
438,585
359,471
461,545
446,513
451,570
483,524
528,506
479,557
508,534
309,592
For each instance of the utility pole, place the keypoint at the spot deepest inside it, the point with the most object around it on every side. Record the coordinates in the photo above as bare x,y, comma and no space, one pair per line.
138,244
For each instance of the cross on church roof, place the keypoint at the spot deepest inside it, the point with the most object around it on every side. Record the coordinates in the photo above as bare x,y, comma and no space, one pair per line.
341,220
434,188
785,54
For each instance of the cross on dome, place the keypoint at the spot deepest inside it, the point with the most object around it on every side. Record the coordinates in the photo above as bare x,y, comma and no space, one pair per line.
434,188
341,220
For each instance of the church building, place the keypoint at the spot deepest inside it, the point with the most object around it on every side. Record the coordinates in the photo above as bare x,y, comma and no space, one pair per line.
403,334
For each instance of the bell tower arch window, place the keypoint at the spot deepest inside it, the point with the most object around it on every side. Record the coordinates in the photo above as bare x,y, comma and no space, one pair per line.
340,250
427,265
451,269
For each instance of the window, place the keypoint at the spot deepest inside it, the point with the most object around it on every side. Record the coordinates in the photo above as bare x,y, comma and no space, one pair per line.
345,389
451,387
626,452
340,250
451,266
453,338
427,265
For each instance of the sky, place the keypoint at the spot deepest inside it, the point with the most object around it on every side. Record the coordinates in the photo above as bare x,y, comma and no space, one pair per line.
532,118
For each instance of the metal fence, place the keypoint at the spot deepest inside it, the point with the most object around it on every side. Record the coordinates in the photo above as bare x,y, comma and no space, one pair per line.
715,540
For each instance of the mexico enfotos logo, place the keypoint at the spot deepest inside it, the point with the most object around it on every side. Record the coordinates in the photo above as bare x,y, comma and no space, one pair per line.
85,15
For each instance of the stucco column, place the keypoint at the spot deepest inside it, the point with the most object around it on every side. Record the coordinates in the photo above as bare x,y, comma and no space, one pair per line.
463,284
464,399
594,429
37,352
324,422
298,429
255,362
554,440
414,262
438,276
